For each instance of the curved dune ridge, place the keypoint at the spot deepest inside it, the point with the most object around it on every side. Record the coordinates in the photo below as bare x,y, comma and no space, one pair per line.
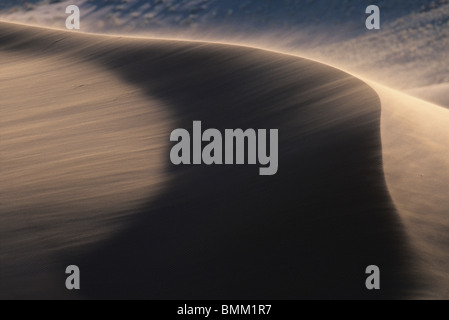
415,150
87,180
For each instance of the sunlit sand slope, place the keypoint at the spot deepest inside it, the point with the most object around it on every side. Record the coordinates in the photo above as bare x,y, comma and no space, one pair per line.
415,139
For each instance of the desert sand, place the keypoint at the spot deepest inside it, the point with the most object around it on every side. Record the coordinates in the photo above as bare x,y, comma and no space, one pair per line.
87,178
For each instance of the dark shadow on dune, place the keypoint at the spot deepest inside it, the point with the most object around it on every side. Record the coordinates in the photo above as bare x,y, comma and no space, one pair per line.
224,232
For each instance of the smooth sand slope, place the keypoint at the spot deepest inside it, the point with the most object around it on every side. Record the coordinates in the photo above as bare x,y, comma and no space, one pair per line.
415,139
85,149
79,147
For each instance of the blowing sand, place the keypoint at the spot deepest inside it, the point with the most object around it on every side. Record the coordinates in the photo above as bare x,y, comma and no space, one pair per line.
85,129
415,140
438,94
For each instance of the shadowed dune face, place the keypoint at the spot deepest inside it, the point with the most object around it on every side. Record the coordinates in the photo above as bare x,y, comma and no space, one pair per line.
224,231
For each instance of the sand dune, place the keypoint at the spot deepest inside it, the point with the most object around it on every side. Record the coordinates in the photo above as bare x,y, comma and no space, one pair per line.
84,147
